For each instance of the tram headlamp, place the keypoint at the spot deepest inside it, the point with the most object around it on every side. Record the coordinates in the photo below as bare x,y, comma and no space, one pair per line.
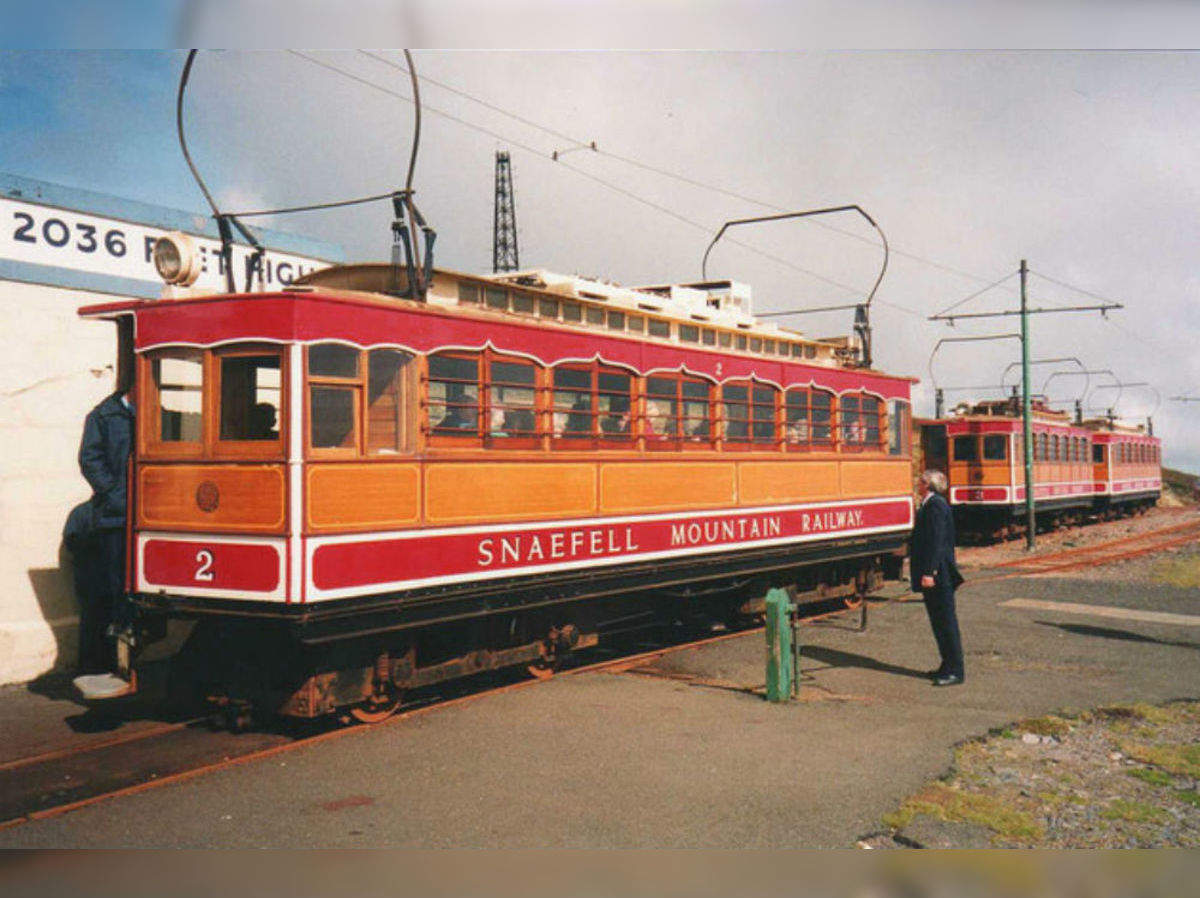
176,259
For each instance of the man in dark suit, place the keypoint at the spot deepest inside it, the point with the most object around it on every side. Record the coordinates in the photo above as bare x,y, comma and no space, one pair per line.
935,575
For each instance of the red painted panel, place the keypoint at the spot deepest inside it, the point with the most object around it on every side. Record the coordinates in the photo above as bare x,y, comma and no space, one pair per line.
311,317
980,494
251,567
343,565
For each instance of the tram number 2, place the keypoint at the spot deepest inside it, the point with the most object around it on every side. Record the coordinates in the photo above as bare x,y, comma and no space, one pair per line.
204,571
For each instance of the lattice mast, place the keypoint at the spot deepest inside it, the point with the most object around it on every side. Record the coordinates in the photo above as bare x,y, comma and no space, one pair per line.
504,233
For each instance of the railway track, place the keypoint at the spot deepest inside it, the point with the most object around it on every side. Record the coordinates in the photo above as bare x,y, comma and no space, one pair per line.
1098,554
61,780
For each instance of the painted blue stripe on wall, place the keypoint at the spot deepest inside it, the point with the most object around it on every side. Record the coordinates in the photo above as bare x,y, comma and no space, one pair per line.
72,279
78,199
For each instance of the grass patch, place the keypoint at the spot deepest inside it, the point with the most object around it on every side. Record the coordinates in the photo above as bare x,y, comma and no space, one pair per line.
1182,760
1050,725
943,802
1183,572
1189,796
1151,775
1133,811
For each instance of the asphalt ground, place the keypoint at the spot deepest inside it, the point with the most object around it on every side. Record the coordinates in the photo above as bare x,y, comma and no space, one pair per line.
680,752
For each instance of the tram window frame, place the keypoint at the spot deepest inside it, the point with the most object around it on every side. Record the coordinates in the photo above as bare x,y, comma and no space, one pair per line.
990,442
399,386
658,327
469,294
497,365
352,386
823,409
899,437
965,447
1097,453
797,419
724,339
462,437
221,447
602,392
495,298
547,308
523,303
636,324
594,315
149,418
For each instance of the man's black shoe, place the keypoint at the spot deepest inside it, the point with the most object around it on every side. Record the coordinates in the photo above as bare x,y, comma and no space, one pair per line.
948,680
935,673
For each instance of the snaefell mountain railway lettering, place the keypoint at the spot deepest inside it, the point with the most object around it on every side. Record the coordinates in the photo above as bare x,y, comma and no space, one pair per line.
731,530
558,545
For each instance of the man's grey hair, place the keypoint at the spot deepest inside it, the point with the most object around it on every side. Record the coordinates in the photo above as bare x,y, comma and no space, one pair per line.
936,480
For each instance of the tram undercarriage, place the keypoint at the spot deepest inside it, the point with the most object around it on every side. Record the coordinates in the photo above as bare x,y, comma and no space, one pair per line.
357,659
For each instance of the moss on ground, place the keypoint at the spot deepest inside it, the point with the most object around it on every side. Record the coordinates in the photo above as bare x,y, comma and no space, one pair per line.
944,802
1182,571
1133,811
1181,760
1050,725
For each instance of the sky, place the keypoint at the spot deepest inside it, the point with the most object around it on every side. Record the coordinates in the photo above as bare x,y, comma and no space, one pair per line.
1079,161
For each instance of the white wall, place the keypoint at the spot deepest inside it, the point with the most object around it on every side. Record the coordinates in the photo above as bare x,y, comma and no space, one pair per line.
54,367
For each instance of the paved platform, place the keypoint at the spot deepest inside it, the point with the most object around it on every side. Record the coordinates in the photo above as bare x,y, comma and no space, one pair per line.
684,753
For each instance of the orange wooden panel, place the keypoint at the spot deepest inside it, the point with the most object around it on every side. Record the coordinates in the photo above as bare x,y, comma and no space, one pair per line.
787,481
363,496
519,491
875,478
660,486
212,498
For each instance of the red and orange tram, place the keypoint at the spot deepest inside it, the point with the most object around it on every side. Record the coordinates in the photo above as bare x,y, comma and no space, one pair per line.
1080,468
348,494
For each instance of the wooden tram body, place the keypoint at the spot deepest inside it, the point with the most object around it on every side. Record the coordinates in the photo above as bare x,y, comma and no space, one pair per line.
1080,468
350,494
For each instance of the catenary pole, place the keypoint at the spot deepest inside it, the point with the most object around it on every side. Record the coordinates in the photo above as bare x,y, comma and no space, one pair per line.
1027,419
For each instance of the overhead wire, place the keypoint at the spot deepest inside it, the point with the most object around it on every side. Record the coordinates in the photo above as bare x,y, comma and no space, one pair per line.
589,176
644,166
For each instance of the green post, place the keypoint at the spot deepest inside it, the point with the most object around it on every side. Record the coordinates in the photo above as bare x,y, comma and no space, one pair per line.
1027,419
779,646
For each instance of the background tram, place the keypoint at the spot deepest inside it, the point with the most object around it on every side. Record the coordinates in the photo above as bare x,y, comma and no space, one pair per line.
1080,468
346,494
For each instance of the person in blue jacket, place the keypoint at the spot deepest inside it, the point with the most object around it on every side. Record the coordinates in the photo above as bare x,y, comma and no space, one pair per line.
934,573
104,461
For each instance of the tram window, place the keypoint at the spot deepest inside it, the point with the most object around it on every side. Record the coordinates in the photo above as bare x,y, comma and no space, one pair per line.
870,420
689,333
851,422
179,381
899,427
637,324
810,352
332,360
995,447
762,412
708,337
741,341
468,293
725,339
822,417
616,321
595,315
572,311
522,302
613,402
496,298
548,308
662,408
694,422
453,395
769,347
966,448
250,397
333,417
385,401
736,401
795,417
756,344
656,327
511,400
797,350
572,403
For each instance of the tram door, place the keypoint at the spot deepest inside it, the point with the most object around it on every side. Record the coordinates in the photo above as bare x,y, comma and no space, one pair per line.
934,455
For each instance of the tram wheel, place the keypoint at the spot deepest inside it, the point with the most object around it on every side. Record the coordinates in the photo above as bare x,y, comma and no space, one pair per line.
376,709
